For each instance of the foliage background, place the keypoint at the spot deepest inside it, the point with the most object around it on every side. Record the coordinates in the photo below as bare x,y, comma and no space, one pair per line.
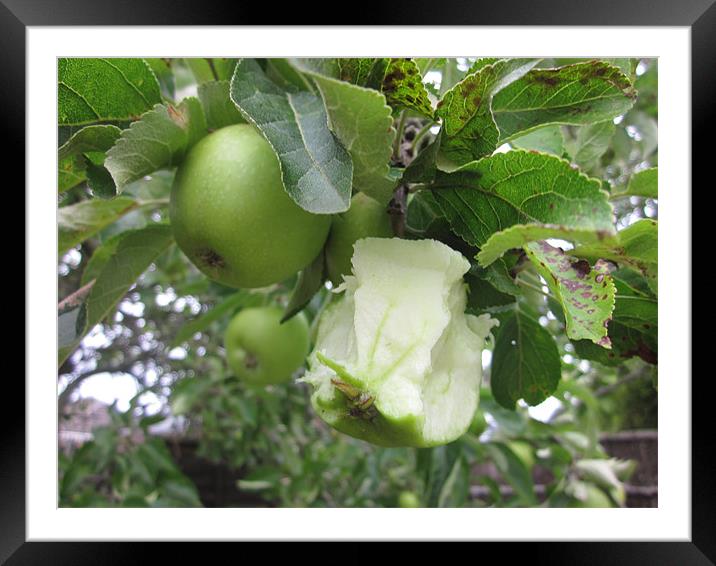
165,331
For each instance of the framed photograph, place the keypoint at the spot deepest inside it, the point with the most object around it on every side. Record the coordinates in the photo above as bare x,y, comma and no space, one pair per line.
391,282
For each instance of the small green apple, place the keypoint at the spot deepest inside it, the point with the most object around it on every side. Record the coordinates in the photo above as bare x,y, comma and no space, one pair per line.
408,499
479,423
261,350
595,497
232,217
365,217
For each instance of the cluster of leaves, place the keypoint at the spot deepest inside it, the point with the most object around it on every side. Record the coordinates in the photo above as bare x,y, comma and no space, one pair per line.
499,157
121,467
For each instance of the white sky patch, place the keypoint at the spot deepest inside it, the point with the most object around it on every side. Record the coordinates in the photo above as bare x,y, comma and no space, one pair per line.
504,148
544,411
109,388
486,358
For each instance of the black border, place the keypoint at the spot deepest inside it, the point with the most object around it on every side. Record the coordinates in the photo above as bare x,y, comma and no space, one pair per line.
699,15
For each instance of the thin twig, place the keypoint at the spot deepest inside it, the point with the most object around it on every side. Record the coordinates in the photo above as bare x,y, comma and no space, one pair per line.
398,210
75,299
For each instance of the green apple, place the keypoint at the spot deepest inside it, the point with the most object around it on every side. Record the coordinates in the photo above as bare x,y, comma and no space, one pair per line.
261,350
479,423
232,217
595,497
408,499
397,362
365,217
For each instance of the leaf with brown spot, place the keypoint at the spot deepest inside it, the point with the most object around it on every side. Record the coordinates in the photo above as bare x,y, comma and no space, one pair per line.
587,303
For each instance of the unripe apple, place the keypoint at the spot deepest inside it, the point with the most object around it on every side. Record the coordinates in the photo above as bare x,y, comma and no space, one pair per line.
261,350
365,217
232,217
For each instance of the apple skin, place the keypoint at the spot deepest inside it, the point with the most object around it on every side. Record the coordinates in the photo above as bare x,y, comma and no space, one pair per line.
365,218
232,217
595,498
408,500
262,351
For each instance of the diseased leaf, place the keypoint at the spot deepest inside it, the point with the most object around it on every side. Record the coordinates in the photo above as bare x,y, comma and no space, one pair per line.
403,87
525,362
584,93
520,187
77,222
469,129
309,282
159,139
317,170
636,246
101,89
218,108
642,184
585,293
633,329
116,269
521,234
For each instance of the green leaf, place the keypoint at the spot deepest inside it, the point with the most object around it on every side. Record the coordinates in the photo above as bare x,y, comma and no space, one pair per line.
591,142
525,362
240,299
436,466
403,87
513,469
77,222
548,139
520,187
521,234
642,184
162,69
218,108
115,271
483,296
317,170
159,139
89,139
636,246
586,294
70,173
201,68
309,282
469,129
583,93
362,121
95,90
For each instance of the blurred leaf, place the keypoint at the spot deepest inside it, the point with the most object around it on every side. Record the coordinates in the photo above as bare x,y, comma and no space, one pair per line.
220,111
547,139
116,270
77,222
644,183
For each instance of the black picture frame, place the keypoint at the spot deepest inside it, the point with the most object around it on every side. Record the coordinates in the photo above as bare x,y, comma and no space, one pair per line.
698,15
